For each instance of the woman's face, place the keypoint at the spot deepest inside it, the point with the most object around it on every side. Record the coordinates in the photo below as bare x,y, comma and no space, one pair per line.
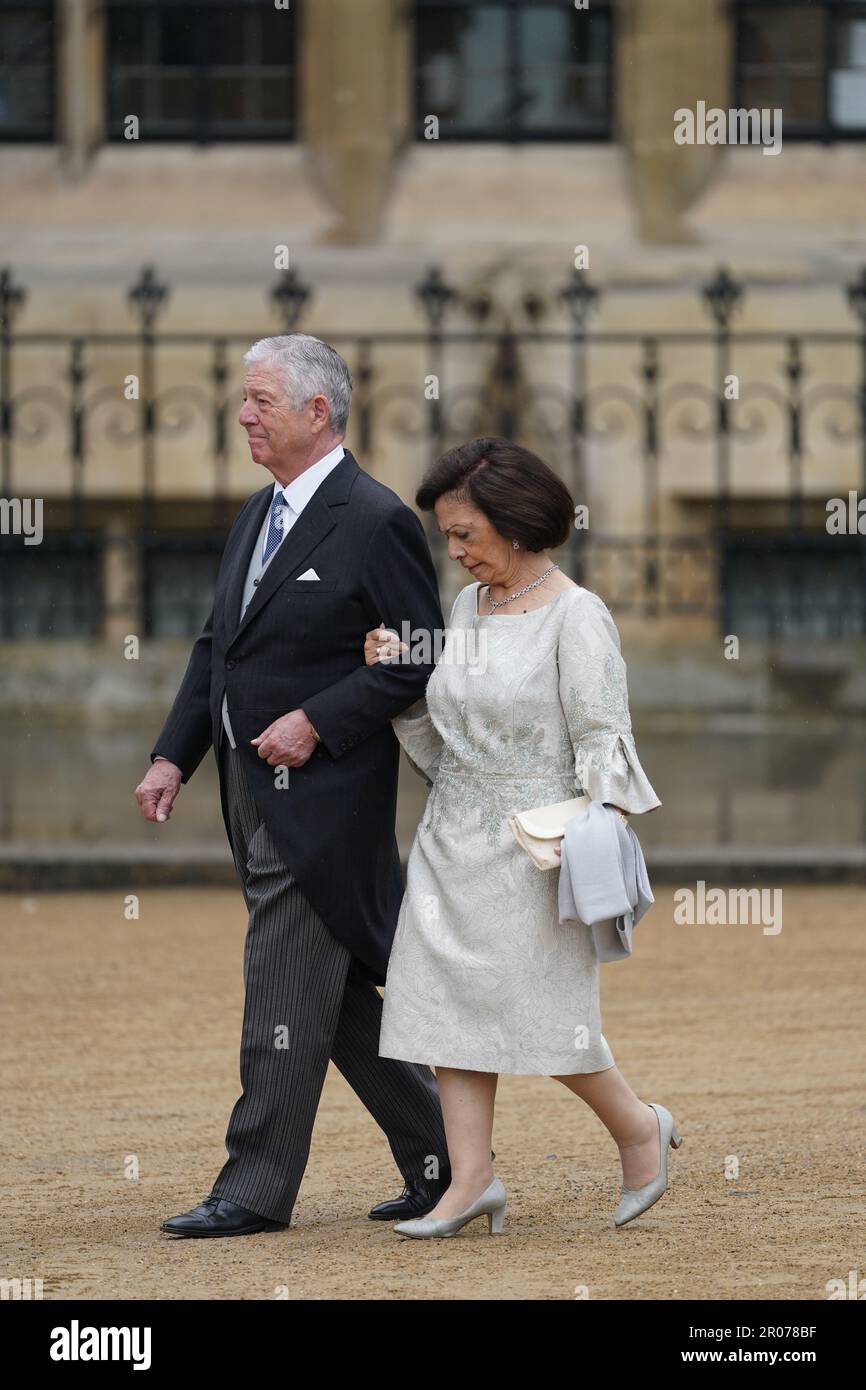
474,542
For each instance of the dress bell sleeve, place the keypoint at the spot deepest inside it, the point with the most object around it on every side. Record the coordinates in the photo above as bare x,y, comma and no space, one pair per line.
594,696
419,738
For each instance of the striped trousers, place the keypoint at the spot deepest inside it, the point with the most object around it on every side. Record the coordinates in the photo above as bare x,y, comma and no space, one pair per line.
303,1007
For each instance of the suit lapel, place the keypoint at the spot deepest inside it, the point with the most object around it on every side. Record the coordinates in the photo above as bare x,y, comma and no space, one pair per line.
314,523
243,551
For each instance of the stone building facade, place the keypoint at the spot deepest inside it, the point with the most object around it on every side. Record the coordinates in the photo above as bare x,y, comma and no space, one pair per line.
555,147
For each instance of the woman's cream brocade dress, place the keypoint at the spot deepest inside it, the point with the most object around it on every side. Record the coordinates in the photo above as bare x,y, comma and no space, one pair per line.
521,710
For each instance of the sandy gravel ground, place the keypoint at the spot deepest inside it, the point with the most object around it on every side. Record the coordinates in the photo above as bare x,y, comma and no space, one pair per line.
120,1056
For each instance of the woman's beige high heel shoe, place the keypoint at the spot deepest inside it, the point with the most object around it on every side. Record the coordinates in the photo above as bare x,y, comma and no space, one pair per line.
637,1199
491,1204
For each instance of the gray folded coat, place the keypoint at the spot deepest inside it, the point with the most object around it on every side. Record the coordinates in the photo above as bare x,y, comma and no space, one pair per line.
603,881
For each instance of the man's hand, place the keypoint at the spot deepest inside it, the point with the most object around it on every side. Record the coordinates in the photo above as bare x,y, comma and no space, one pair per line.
157,790
288,742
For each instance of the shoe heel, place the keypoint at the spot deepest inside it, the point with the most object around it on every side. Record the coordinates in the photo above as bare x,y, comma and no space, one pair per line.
676,1138
495,1219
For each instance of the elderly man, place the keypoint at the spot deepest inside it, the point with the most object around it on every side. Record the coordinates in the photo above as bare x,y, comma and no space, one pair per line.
308,781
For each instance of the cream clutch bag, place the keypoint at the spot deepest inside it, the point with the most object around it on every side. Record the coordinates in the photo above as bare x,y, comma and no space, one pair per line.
540,830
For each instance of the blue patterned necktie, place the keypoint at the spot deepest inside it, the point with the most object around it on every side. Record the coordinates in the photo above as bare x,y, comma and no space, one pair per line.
276,526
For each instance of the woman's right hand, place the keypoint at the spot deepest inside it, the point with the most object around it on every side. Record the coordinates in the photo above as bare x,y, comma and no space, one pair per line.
382,644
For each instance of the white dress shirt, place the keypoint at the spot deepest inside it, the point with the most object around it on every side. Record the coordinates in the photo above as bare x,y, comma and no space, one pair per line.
297,494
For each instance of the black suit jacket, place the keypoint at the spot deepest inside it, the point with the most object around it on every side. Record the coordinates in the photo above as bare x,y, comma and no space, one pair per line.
301,646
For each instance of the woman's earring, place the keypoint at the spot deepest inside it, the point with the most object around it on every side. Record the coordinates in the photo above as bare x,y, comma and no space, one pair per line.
516,544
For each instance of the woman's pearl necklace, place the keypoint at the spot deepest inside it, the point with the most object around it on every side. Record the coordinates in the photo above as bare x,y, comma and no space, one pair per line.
500,603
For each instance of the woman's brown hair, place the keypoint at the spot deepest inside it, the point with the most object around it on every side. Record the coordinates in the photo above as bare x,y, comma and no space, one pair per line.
518,493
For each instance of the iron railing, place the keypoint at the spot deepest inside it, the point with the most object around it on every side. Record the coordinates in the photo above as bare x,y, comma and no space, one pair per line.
681,473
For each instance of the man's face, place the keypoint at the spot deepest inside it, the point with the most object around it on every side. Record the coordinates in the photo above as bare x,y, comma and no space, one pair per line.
279,437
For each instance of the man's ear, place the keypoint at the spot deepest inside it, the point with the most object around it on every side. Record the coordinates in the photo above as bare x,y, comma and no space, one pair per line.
321,413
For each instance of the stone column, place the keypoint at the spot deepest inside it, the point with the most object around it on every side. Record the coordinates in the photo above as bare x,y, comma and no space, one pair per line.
80,80
122,583
669,54
354,104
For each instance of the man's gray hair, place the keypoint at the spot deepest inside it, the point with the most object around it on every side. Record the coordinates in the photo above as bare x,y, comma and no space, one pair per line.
308,367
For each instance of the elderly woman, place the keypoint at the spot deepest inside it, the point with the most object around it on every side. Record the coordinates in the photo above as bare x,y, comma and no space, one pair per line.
483,979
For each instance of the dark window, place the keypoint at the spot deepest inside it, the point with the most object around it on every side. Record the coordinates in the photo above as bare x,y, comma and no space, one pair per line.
53,589
179,579
202,72
809,60
513,69
794,586
26,71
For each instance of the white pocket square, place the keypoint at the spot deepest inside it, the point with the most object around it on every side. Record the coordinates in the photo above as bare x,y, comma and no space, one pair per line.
308,574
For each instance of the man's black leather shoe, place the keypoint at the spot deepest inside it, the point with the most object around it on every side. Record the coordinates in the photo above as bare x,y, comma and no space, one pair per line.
419,1196
217,1217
